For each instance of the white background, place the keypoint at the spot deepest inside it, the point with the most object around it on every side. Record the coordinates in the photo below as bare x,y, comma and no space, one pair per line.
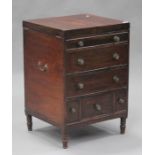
5,110
101,137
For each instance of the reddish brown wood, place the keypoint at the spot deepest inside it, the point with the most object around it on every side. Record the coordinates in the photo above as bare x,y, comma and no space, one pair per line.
65,91
109,102
44,89
96,57
75,22
64,134
96,81
95,31
73,110
96,119
97,105
97,40
76,26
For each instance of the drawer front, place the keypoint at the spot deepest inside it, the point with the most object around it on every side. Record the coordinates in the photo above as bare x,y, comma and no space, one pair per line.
109,103
91,82
73,111
121,100
79,33
97,105
97,40
94,58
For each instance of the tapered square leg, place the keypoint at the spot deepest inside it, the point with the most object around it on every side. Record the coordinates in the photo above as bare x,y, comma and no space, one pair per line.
29,122
64,135
123,125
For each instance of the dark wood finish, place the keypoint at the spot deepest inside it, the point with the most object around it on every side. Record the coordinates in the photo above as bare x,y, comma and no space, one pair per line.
44,89
80,21
99,105
76,25
96,119
103,104
64,137
96,57
73,110
101,30
29,122
121,101
76,71
97,40
123,125
96,81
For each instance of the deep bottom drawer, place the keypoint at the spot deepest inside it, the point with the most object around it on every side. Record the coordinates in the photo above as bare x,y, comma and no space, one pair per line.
101,104
73,111
97,105
104,104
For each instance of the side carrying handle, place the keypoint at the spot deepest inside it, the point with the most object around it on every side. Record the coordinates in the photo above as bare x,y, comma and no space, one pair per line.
42,67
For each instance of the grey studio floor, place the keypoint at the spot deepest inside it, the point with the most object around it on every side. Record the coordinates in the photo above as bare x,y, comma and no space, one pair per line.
100,138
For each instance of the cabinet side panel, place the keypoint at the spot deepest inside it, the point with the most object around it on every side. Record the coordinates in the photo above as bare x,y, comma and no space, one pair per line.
44,76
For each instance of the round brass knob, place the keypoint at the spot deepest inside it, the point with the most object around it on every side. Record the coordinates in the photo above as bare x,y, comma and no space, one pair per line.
121,101
116,78
116,56
98,107
81,43
116,38
72,110
80,85
80,61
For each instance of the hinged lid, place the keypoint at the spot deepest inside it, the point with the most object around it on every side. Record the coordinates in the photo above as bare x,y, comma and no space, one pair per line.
59,25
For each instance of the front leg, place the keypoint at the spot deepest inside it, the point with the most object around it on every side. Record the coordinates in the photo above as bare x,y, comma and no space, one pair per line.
123,125
29,122
64,135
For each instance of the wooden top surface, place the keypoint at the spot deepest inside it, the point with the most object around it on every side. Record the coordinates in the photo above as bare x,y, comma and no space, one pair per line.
72,22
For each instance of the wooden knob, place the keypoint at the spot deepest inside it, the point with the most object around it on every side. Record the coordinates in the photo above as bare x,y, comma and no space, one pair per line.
81,43
121,101
80,61
116,56
98,107
80,85
116,38
116,78
72,110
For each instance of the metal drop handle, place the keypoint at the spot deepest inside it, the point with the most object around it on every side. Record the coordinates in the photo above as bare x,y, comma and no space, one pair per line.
42,67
